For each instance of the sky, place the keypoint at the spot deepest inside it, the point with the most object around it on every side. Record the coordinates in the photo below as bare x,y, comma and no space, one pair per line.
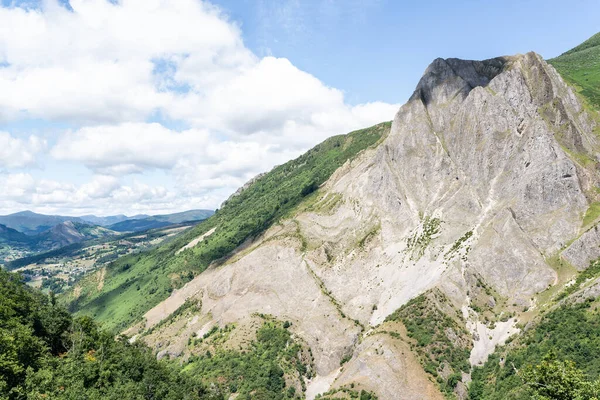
158,106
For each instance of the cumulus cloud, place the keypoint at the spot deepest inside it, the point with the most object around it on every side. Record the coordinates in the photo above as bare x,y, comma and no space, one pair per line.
196,160
109,67
108,193
98,61
16,152
129,145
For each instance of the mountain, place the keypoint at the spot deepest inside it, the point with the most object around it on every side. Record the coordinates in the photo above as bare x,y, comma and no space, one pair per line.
50,232
243,217
108,220
402,258
68,233
32,223
142,223
14,244
12,237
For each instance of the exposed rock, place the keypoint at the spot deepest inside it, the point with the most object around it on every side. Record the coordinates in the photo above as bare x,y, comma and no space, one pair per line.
591,291
386,366
478,177
584,250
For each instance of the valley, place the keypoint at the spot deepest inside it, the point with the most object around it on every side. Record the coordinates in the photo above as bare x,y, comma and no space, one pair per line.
54,258
58,270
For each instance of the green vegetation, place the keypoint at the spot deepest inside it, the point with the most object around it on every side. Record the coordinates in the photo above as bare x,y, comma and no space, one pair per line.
560,380
189,306
420,240
442,344
580,67
45,353
259,372
347,392
591,272
458,244
133,284
592,214
571,332
369,235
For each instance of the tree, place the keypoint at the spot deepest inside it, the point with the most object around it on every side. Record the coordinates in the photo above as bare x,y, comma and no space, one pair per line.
553,379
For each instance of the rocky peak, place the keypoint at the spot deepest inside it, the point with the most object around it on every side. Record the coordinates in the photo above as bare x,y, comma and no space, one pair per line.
445,78
484,179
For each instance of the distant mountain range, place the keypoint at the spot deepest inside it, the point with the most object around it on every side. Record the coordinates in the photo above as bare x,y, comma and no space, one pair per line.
12,237
135,224
110,220
62,234
31,223
26,232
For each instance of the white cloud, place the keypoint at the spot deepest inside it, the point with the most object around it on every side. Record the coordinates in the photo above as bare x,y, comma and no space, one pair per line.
16,153
97,62
128,146
104,193
197,161
107,68
16,186
263,98
100,187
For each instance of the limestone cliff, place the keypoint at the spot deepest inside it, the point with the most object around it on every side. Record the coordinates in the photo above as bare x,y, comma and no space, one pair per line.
484,179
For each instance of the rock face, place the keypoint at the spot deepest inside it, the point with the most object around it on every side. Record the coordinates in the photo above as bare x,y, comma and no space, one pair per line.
584,250
486,174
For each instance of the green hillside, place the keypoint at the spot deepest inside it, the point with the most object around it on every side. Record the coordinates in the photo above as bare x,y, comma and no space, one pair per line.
569,333
580,67
47,354
13,237
133,284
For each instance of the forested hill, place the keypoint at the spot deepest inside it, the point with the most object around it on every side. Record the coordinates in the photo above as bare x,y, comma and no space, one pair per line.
45,353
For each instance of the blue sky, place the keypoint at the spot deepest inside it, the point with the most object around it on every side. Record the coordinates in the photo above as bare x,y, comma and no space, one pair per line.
378,49
137,106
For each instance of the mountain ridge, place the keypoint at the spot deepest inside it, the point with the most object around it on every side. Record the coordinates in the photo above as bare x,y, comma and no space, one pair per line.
413,259
139,223
410,204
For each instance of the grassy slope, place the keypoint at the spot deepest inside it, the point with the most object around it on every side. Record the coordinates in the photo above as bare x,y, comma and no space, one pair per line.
273,367
580,67
134,284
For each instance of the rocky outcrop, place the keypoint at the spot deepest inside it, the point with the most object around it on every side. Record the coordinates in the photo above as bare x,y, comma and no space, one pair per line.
487,172
584,250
